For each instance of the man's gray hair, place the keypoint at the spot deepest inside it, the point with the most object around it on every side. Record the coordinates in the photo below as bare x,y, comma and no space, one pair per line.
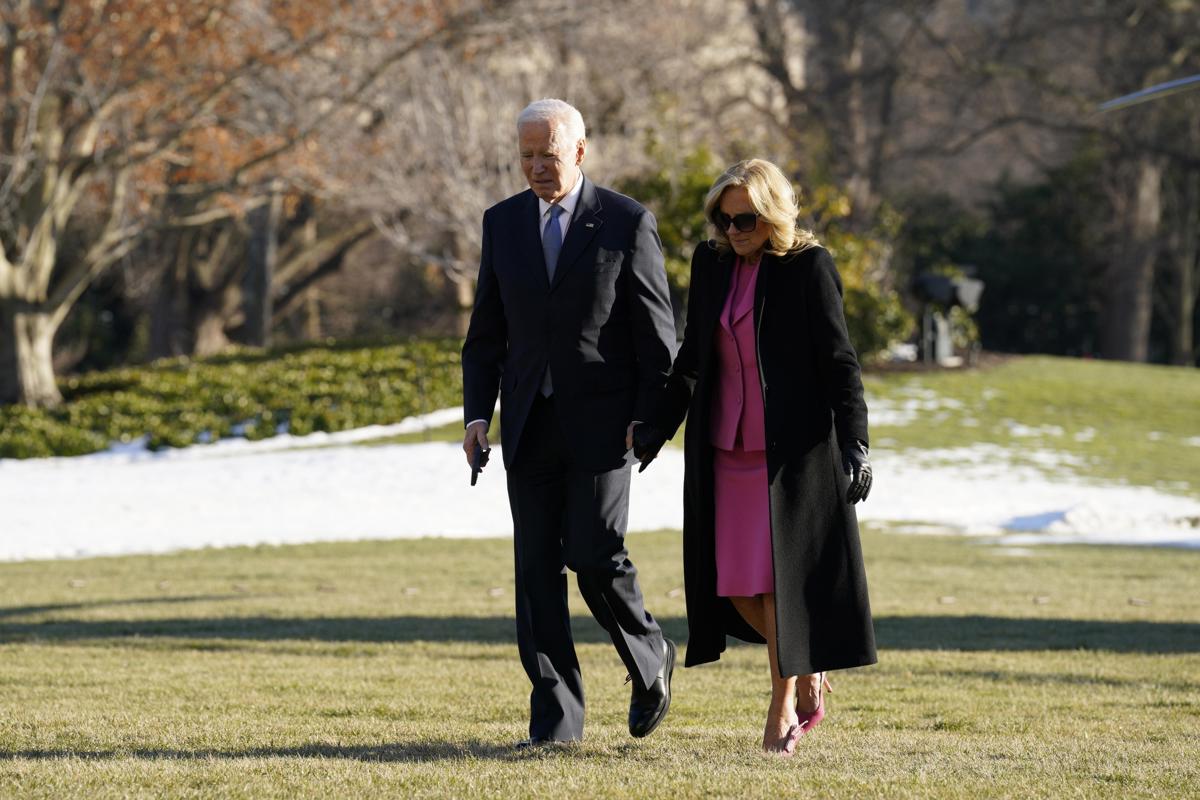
566,123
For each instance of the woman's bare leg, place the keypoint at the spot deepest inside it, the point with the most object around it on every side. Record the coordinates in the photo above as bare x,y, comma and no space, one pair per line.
808,692
751,609
759,613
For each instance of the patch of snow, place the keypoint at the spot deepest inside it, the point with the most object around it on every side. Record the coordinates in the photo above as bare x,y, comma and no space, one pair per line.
919,402
1020,552
284,490
223,448
901,351
1017,429
1034,522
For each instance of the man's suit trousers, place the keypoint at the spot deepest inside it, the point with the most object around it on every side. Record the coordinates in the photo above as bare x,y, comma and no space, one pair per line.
564,516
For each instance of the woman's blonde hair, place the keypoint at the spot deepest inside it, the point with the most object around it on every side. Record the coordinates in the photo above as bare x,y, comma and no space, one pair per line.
772,198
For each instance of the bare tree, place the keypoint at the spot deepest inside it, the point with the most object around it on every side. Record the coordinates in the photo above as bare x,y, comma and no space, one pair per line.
1117,47
98,97
840,68
1177,303
113,96
434,145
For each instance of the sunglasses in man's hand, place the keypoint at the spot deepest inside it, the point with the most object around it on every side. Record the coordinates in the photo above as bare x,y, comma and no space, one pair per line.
479,459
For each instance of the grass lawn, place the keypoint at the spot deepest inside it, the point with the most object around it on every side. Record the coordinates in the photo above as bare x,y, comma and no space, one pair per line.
389,669
1131,423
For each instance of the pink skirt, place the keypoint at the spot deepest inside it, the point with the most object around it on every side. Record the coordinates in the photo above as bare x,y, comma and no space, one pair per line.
745,566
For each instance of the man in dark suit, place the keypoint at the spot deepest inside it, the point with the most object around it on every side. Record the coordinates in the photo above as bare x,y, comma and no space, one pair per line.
572,326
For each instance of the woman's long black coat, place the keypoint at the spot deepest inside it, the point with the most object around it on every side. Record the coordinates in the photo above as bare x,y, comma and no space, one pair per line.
812,397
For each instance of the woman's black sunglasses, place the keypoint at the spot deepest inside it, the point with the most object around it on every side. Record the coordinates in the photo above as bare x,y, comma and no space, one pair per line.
743,222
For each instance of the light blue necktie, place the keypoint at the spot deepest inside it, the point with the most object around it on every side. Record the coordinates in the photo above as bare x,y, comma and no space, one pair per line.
552,240
551,245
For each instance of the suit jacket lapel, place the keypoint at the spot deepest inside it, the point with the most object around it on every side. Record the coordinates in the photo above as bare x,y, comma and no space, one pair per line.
530,242
746,302
585,223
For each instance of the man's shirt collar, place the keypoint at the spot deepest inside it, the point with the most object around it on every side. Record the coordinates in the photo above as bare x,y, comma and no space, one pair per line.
568,203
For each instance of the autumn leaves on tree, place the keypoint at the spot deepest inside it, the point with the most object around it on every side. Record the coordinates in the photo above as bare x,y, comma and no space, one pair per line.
195,125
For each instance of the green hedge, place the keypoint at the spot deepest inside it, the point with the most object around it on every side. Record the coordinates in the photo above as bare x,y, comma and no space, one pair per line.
178,402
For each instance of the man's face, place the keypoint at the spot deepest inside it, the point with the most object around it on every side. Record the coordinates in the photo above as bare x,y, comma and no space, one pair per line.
551,172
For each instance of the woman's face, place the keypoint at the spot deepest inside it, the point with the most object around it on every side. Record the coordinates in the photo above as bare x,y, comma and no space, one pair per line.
734,201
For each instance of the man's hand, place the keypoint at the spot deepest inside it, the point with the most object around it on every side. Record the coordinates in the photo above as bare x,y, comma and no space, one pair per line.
476,432
856,465
646,441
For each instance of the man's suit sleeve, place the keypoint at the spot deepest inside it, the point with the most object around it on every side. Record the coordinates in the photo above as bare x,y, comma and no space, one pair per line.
486,345
651,314
686,369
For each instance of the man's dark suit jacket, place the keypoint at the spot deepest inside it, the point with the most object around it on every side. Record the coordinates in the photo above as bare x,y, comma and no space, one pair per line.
604,324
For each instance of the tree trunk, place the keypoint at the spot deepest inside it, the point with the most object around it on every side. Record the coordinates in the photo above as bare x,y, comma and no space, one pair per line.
210,333
838,50
316,259
464,291
211,301
312,314
1129,291
853,149
169,308
832,99
1183,350
262,254
1185,262
27,357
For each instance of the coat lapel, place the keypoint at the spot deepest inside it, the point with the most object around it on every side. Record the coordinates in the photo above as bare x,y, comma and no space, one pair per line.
760,290
585,223
722,283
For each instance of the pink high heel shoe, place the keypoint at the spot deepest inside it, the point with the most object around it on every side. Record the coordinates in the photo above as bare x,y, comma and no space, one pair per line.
811,719
789,741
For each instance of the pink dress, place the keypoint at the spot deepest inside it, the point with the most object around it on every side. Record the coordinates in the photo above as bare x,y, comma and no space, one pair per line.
743,523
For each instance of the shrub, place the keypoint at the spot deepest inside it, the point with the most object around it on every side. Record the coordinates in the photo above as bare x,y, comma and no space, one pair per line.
178,402
875,314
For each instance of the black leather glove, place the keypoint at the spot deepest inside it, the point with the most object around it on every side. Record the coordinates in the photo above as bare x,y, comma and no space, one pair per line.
856,465
647,441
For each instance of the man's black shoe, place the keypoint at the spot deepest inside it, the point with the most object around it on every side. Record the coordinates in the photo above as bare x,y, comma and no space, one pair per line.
537,741
648,707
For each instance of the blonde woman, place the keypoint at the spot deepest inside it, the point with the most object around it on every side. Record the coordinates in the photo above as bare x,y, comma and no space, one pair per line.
775,450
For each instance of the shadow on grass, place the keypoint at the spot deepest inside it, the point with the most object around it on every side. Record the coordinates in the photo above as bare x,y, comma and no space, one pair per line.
966,633
483,630
21,611
1067,679
383,753
977,633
